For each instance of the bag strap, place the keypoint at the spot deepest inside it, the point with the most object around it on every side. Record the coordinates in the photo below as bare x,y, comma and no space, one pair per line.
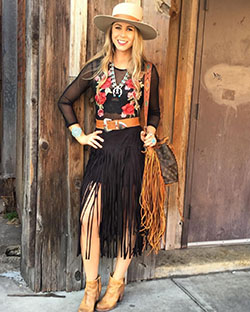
147,81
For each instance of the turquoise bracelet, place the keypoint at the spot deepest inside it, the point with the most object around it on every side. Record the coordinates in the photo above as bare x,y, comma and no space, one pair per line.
76,132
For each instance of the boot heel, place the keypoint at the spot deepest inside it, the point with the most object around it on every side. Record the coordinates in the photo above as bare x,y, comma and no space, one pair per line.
121,297
114,293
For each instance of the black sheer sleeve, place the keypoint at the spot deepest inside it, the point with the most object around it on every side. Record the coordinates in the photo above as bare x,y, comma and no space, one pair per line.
154,109
74,90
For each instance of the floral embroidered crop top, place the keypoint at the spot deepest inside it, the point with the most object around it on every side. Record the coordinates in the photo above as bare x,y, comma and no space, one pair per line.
108,105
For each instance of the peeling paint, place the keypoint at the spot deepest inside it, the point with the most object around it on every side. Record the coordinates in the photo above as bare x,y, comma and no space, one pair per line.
229,85
167,7
163,6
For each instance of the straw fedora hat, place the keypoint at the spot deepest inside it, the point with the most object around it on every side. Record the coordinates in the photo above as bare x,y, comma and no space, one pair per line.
126,12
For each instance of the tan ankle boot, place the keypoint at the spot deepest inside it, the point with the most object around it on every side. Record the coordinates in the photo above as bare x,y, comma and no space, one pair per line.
91,295
113,294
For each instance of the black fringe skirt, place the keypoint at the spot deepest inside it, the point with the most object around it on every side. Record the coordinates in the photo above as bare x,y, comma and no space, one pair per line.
114,175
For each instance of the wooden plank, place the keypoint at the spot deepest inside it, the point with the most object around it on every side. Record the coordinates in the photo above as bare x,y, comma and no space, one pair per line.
171,72
142,267
30,144
193,125
78,37
169,106
7,194
20,106
52,200
156,51
186,57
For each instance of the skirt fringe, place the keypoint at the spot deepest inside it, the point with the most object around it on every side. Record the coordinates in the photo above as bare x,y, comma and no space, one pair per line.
114,175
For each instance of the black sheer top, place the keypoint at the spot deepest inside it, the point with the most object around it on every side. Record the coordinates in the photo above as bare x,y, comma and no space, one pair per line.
107,105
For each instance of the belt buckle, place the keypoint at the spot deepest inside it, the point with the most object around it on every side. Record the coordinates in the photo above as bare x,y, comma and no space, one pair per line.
105,120
122,125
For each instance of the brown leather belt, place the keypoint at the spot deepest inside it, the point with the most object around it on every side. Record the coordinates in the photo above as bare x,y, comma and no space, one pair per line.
108,124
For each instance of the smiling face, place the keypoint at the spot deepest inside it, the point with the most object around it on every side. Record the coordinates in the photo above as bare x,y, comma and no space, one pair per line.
123,35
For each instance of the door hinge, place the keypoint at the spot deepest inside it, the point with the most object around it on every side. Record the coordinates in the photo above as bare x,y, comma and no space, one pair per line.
189,211
205,5
197,111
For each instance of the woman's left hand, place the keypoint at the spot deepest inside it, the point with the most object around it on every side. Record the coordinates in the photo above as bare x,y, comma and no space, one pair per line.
149,139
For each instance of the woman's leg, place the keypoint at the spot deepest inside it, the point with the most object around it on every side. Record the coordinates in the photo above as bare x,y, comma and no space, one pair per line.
122,263
90,247
90,240
116,285
121,267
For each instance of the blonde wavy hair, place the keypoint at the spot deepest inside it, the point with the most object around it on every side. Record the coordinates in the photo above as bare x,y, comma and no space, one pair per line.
135,66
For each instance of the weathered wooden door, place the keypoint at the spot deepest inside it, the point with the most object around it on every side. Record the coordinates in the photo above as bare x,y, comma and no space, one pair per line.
218,192
53,160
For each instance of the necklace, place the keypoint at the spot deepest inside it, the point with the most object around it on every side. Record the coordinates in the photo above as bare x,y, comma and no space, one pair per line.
117,89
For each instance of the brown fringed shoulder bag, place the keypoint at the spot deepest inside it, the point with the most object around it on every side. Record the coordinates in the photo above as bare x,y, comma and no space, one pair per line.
160,169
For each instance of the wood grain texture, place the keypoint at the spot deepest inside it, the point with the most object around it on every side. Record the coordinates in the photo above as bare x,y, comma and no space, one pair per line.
52,199
78,39
9,89
169,83
142,267
78,35
156,51
184,82
20,106
30,144
168,114
193,125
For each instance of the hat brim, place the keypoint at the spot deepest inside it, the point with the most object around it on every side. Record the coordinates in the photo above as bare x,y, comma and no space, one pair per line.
147,31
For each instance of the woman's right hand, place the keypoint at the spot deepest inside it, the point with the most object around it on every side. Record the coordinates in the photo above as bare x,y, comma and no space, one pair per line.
93,139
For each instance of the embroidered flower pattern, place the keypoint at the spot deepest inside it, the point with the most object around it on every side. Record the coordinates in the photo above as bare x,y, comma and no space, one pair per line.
106,84
101,96
129,84
133,107
128,110
100,112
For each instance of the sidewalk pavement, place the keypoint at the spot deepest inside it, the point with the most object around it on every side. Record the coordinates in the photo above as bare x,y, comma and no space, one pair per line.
199,291
220,292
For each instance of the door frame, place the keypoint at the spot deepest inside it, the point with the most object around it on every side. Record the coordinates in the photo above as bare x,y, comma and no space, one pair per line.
203,8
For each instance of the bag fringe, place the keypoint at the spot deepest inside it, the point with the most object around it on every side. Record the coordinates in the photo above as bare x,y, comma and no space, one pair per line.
153,194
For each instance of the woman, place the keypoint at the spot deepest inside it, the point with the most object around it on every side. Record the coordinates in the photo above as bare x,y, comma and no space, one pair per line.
110,210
